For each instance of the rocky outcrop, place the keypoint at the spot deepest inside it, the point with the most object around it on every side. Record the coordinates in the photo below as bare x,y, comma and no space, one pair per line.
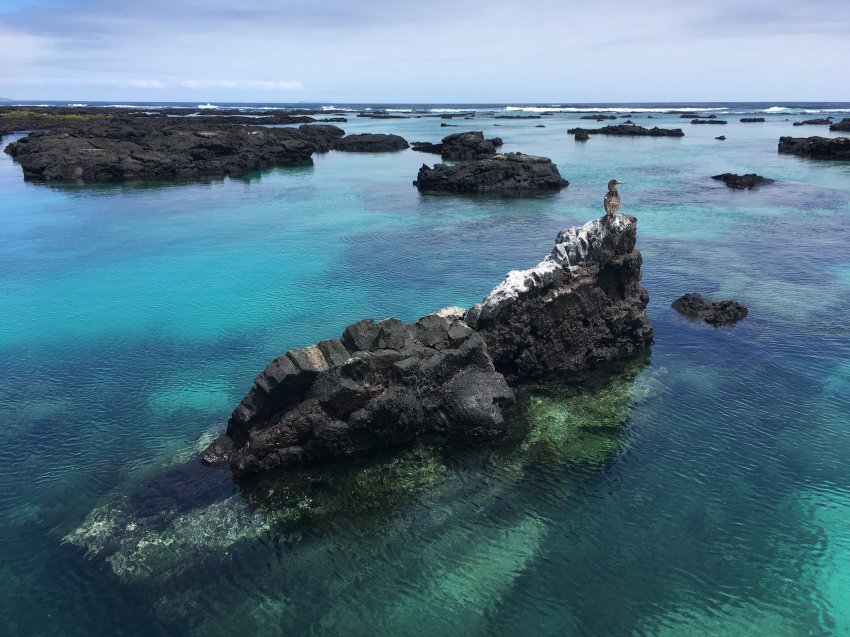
721,138
380,384
712,312
468,146
445,377
709,121
630,130
582,305
816,147
751,120
820,121
841,127
598,118
509,173
138,148
461,146
371,143
581,135
750,180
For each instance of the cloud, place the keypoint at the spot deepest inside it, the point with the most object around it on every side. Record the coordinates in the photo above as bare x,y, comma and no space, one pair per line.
244,85
441,50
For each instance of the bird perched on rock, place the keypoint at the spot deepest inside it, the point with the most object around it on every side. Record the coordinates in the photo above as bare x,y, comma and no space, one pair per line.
612,199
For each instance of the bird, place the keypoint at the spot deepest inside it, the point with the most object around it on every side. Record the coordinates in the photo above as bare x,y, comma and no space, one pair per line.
612,199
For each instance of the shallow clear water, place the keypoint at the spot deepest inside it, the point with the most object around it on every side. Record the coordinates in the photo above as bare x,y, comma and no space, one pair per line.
702,491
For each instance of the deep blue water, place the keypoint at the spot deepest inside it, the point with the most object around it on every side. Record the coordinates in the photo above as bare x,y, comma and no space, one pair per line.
703,491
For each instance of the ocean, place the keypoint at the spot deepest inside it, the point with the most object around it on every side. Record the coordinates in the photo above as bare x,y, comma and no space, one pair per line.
701,490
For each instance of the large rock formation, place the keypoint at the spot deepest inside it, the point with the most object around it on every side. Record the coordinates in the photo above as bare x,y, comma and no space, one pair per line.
816,147
509,173
841,127
748,181
156,148
583,304
379,384
630,130
443,377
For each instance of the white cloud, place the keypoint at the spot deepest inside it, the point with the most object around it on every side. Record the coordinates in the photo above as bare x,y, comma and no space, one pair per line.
244,85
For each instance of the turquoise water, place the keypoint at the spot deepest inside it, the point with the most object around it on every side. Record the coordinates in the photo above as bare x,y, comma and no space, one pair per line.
702,491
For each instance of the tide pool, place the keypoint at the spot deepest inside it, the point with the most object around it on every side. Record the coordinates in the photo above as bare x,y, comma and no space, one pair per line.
701,491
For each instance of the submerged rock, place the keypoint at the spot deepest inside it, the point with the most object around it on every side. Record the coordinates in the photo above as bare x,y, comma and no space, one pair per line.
843,126
630,130
712,312
510,173
371,143
598,118
816,147
750,180
751,120
441,377
722,138
708,120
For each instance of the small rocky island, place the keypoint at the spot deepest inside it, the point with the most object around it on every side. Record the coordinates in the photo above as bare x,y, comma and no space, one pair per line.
446,377
714,313
816,147
461,146
628,130
841,127
748,181
509,173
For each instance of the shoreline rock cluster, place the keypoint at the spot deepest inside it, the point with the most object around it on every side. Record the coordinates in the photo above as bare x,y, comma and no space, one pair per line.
446,376
116,148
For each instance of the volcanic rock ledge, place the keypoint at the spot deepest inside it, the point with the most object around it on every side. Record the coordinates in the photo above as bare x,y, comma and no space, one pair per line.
816,147
509,173
443,377
629,130
113,150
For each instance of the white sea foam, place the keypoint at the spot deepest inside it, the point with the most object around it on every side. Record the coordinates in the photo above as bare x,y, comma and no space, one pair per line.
452,110
329,108
207,106
78,105
611,109
129,106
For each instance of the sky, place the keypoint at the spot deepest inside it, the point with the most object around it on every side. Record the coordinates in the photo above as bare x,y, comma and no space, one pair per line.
460,51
